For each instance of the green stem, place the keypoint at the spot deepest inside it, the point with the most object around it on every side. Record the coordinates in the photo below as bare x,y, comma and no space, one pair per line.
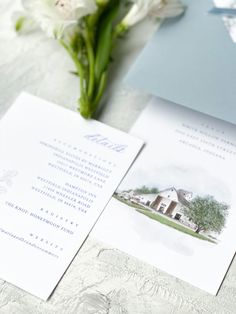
91,60
101,88
119,30
85,108
79,67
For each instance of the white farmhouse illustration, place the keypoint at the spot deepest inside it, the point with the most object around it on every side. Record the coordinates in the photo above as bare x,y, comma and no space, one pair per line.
172,202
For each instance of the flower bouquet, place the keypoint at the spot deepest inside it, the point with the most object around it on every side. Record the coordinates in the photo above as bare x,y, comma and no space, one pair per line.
89,31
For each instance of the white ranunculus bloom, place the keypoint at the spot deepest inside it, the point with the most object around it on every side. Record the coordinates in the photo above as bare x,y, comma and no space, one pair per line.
158,8
54,16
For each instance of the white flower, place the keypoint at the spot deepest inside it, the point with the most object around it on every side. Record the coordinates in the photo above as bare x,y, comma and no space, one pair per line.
54,16
170,8
157,8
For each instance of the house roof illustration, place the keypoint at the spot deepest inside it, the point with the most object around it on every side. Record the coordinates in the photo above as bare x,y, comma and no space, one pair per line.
180,196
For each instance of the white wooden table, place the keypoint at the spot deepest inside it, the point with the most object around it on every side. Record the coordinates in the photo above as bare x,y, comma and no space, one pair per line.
101,279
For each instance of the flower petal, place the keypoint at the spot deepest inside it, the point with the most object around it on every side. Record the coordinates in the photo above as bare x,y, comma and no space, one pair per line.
141,9
170,9
54,16
27,4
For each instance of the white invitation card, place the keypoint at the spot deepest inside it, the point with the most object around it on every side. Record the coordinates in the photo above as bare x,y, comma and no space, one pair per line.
57,173
177,205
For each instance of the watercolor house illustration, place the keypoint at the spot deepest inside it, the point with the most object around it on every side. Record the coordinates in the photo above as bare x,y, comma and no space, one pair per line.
176,205
172,202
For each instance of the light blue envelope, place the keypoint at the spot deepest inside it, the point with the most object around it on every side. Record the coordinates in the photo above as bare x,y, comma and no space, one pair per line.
191,61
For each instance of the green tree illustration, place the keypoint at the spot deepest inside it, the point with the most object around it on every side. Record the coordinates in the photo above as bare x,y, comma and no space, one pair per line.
207,213
146,190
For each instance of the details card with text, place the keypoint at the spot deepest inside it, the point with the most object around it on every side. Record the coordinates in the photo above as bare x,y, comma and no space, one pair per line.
57,173
176,206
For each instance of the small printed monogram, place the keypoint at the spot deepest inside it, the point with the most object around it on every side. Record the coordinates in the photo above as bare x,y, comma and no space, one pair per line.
6,180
